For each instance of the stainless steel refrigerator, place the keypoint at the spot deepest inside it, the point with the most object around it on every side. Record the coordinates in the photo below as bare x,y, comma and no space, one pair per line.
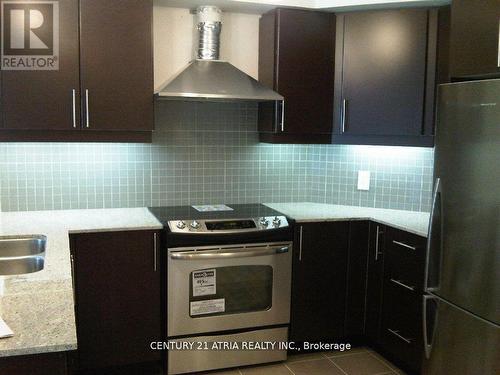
462,302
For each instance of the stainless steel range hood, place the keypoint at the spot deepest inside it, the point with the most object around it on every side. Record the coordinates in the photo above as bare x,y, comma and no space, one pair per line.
209,79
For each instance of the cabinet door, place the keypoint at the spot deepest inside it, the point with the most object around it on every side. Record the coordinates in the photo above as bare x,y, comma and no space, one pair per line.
475,45
382,65
305,70
356,278
375,280
117,291
297,59
116,64
319,281
46,99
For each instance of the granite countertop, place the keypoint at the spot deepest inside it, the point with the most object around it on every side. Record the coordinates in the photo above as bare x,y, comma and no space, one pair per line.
39,307
410,221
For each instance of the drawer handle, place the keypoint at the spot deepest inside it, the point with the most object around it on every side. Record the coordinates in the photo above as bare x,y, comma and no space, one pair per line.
396,333
404,245
397,282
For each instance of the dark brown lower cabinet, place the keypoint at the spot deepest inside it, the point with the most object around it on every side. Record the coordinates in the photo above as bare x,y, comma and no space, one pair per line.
400,335
369,273
37,364
319,281
117,297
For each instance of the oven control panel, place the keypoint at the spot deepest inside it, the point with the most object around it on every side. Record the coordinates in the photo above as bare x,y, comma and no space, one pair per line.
228,225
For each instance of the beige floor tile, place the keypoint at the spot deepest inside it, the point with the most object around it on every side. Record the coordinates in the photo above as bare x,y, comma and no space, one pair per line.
314,367
361,364
388,363
278,369
335,353
304,357
220,372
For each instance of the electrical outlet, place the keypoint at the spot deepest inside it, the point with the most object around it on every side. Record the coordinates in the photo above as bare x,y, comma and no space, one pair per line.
363,180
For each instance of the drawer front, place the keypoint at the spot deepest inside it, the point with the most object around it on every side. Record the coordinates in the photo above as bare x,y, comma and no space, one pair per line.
405,259
401,331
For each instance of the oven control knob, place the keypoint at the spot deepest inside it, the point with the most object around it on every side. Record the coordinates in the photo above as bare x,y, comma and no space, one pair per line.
181,224
276,221
195,225
264,222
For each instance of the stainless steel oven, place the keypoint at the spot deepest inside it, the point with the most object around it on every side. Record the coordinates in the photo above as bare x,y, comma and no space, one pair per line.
227,287
228,281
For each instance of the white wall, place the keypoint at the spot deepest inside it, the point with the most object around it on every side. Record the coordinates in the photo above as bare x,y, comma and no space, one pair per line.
174,40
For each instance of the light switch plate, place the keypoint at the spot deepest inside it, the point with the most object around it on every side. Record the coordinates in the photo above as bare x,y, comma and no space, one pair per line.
363,180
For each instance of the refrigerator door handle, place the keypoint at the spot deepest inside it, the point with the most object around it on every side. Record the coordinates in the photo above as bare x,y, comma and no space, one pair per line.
436,212
428,339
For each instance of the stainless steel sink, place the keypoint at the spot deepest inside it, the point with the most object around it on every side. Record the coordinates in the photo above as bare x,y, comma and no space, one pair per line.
22,254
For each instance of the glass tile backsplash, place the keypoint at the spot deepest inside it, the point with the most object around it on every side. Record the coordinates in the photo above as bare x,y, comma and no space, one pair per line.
209,153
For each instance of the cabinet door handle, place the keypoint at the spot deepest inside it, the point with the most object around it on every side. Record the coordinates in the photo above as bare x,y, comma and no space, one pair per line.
283,115
87,120
344,115
73,95
377,243
397,282
404,245
72,262
155,251
300,242
396,333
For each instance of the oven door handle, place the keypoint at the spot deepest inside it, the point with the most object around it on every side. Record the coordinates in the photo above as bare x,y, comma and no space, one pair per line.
225,254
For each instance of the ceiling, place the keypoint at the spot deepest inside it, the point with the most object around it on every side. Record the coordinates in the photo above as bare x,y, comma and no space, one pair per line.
262,6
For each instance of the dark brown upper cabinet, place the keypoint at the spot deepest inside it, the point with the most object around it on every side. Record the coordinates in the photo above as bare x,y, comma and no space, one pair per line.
43,99
103,89
296,59
385,77
474,38
116,64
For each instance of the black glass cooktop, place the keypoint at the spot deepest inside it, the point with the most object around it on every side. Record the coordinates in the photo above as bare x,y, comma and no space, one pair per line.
240,211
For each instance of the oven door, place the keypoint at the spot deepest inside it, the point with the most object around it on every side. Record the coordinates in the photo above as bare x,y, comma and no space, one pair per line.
217,288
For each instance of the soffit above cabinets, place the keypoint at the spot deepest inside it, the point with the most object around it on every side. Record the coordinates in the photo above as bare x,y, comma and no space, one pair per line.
263,6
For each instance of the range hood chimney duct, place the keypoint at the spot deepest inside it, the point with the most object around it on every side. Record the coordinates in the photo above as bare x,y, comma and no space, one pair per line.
209,27
207,78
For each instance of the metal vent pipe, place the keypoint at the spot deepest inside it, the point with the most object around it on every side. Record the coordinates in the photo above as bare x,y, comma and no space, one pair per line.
209,25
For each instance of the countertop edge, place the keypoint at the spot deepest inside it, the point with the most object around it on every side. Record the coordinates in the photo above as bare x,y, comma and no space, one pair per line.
38,350
115,229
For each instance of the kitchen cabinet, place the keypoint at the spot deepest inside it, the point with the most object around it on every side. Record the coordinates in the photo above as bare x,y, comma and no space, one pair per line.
403,277
37,364
354,326
319,281
385,77
43,99
374,285
116,64
103,88
474,39
296,52
117,297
